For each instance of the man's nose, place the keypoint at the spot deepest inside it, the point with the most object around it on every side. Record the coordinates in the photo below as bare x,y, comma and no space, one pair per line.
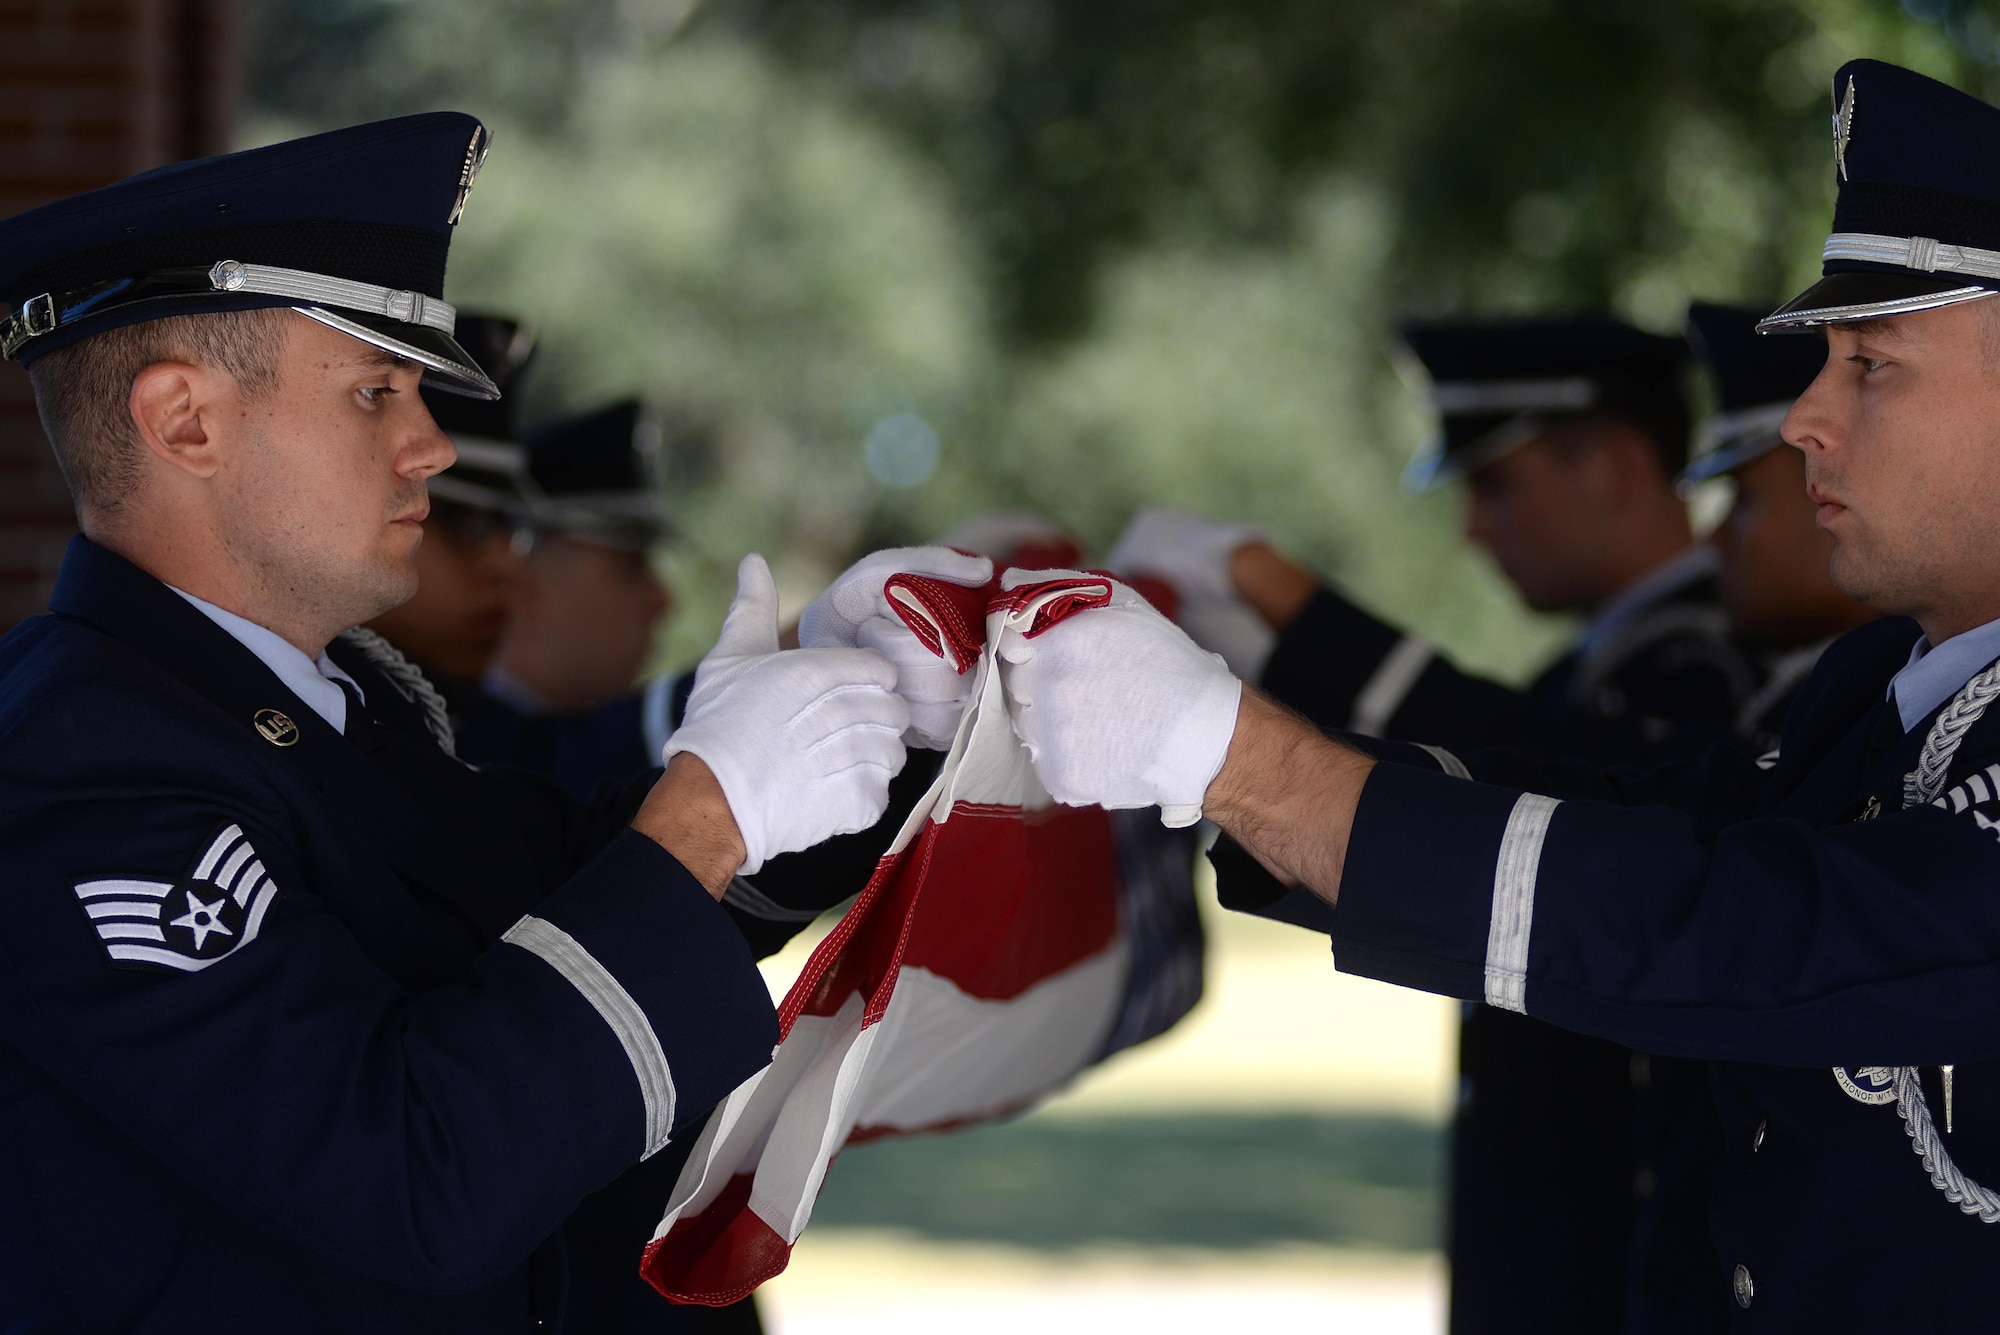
429,451
1810,424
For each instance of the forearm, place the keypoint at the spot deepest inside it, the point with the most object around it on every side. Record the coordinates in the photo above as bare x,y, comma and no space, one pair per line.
687,814
1287,793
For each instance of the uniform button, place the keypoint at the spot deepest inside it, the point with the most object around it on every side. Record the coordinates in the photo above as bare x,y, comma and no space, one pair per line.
1757,1141
1745,1290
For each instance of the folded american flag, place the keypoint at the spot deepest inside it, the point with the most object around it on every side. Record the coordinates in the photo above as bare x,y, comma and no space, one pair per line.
1003,944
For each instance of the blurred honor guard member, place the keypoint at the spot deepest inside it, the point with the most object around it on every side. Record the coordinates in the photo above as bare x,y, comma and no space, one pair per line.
1774,578
1569,434
305,1025
1826,930
560,696
481,511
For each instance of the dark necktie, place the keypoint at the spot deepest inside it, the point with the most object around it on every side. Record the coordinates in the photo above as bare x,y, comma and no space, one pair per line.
361,729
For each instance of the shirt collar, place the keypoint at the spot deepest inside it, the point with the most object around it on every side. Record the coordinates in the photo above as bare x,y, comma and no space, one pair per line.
315,683
1934,674
1696,563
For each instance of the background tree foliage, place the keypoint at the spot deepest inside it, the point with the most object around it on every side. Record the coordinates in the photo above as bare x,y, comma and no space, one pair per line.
1098,254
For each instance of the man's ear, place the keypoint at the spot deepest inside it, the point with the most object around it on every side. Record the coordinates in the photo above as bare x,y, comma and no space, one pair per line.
169,403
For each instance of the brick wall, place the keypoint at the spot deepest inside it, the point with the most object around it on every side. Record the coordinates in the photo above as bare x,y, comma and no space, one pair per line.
96,90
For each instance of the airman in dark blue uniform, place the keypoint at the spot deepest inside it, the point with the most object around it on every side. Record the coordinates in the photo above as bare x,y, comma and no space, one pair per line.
1559,1145
558,697
304,1023
1822,928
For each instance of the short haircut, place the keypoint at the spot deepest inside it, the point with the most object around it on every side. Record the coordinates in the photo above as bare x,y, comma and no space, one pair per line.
84,391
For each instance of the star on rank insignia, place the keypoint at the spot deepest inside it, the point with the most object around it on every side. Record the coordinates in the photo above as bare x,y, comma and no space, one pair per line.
1843,128
188,924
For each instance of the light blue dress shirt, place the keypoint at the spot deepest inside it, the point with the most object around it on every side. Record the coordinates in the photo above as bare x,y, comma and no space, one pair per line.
1933,675
313,682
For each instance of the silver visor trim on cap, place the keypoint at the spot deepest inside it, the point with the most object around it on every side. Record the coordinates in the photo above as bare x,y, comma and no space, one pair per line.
1870,310
456,376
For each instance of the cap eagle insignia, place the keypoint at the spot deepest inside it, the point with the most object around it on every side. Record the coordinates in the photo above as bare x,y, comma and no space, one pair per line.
1843,128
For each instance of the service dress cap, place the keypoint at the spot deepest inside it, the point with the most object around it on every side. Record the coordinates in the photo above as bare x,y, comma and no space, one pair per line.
1498,384
598,473
1916,222
1755,381
491,472
349,228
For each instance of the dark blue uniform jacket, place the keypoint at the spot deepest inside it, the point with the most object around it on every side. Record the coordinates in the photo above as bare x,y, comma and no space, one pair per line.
1780,923
1578,1167
267,1060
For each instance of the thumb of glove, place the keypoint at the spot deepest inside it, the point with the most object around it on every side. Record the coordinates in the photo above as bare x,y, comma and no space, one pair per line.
751,627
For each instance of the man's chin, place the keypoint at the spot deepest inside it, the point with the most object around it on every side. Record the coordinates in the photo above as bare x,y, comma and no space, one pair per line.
1864,584
394,583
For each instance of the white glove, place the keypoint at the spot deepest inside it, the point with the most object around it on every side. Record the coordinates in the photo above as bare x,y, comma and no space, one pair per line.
1187,550
854,613
1119,708
803,741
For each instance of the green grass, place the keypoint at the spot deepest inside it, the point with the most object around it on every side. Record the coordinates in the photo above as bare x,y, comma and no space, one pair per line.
1216,1181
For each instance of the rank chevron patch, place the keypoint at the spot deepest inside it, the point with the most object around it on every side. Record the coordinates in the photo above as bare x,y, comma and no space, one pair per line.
184,925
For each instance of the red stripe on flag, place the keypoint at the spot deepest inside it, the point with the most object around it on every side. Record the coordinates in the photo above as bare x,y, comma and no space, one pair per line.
719,1256
996,947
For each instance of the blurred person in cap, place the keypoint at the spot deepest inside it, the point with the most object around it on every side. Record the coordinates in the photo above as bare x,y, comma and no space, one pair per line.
309,1026
1568,435
561,693
1774,579
480,523
1818,924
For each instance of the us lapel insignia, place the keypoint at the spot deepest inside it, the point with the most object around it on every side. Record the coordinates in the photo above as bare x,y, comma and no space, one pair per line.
275,727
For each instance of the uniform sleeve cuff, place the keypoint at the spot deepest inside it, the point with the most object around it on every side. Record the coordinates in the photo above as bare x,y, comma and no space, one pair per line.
1437,891
666,969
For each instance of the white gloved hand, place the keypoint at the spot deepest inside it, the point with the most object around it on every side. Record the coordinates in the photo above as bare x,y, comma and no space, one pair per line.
1119,708
855,613
1187,550
803,741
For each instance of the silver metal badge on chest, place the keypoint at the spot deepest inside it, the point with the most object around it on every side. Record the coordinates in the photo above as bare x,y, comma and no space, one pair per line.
1867,1084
